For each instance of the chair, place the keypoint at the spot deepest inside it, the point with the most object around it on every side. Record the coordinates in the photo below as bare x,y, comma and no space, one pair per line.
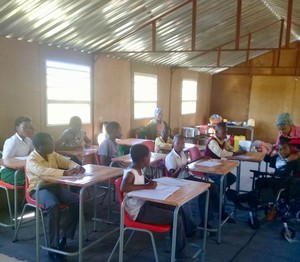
195,155
150,144
135,226
6,186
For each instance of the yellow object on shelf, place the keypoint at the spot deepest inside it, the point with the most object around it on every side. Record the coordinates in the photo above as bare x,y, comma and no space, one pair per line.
237,139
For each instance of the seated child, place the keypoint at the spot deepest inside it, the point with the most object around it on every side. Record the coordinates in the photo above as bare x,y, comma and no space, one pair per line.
176,164
73,137
148,212
44,162
217,147
109,149
163,143
17,145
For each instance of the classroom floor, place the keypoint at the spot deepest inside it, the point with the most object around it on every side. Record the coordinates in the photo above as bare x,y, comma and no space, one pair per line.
239,241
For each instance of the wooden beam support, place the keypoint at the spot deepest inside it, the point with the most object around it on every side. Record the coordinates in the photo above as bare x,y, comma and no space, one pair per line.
280,42
238,24
288,23
248,51
194,23
154,36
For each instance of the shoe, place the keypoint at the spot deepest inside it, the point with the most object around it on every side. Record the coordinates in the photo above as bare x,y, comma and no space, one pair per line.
55,257
182,256
63,244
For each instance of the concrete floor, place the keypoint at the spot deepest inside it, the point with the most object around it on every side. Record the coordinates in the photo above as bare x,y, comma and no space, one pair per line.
239,241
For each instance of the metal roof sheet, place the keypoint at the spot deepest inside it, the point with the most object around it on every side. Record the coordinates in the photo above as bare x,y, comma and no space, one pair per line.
197,34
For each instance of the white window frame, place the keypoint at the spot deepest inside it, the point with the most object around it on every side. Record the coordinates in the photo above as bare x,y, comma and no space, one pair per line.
189,100
144,103
74,94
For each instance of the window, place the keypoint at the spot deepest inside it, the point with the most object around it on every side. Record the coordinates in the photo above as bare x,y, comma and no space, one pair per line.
189,97
145,95
68,92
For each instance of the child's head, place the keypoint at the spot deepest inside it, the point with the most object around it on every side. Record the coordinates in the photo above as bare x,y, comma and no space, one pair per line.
165,132
284,148
221,130
114,130
24,126
75,123
140,154
178,143
284,123
158,114
43,143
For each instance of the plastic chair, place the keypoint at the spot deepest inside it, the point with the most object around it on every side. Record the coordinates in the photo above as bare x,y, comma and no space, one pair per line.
150,144
5,186
135,226
195,155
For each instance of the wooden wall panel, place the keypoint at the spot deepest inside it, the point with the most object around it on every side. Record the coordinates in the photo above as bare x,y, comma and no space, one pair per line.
230,96
270,96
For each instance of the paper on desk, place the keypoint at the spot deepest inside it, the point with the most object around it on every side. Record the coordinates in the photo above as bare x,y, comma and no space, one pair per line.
21,157
161,192
171,181
207,163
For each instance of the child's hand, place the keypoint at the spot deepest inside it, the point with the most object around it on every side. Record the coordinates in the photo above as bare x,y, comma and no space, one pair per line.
71,172
81,169
240,152
152,184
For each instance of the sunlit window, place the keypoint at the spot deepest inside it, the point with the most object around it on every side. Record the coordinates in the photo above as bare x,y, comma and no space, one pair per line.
145,95
68,92
189,97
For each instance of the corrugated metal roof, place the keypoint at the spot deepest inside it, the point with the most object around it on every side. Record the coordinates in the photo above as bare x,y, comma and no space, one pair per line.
155,31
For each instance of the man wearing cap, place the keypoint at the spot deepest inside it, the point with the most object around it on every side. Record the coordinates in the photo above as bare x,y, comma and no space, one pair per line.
284,123
153,129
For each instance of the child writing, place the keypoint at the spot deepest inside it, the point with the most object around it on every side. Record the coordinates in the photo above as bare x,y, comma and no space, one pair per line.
163,143
148,212
109,149
73,137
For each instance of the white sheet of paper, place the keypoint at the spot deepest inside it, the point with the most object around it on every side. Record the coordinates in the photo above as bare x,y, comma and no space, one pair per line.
161,192
208,163
171,181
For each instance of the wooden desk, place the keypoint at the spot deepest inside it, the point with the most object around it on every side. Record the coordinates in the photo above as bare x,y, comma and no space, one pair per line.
81,154
255,157
178,198
224,167
94,174
130,141
187,146
17,164
155,157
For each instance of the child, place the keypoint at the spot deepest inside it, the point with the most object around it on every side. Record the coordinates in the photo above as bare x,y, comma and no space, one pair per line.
73,137
176,164
217,148
163,144
148,212
44,162
109,149
18,145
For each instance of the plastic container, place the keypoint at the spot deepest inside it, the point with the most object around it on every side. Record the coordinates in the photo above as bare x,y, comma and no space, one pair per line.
237,140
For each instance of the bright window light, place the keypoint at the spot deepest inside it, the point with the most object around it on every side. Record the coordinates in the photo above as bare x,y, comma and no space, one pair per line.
189,97
68,92
145,95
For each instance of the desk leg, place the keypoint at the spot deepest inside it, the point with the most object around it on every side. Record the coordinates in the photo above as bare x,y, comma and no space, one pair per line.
121,244
205,225
37,223
16,198
174,233
238,177
220,208
80,225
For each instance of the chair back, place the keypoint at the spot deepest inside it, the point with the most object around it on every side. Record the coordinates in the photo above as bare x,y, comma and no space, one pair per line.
150,144
195,153
28,197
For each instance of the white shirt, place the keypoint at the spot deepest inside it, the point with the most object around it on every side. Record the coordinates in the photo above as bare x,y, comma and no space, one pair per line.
174,161
15,146
134,205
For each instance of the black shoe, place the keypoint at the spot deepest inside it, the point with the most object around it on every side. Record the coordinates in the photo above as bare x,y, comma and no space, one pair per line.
63,244
55,257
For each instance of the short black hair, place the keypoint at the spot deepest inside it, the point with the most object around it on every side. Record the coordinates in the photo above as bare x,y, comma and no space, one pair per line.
75,119
177,137
111,126
40,139
22,119
221,125
138,152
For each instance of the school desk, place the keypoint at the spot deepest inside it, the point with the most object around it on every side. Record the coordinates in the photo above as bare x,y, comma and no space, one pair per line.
94,174
187,146
216,167
18,164
129,142
82,154
185,193
126,159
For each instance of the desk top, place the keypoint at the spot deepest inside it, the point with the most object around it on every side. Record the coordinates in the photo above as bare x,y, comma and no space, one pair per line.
130,141
13,163
155,157
187,146
223,168
94,174
185,193
81,152
256,157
